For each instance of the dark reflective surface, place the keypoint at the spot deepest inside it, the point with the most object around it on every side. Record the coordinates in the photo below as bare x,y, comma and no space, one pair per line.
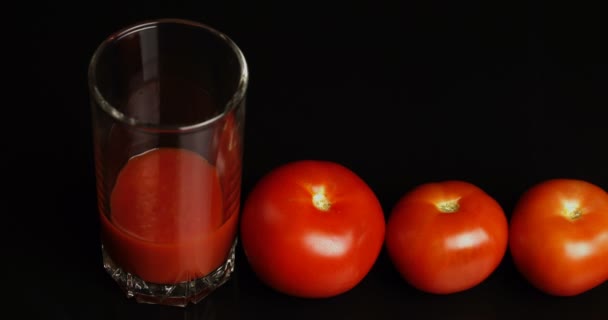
502,96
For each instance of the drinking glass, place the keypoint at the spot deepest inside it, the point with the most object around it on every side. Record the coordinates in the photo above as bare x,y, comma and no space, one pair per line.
168,111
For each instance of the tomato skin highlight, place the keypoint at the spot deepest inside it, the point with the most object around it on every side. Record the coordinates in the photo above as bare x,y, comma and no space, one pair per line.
559,236
446,237
312,229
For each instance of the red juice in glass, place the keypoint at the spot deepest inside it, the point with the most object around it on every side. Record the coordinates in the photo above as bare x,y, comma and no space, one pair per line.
168,110
167,221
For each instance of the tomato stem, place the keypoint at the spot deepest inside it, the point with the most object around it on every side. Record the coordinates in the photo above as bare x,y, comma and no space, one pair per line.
449,206
572,209
573,214
576,214
320,201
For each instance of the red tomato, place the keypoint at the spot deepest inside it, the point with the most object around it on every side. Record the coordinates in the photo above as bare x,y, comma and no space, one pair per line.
312,229
559,236
446,237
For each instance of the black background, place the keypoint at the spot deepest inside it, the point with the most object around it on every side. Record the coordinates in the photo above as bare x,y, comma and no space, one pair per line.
503,96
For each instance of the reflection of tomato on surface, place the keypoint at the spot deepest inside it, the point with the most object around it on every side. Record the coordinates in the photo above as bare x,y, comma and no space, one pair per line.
312,229
229,145
446,237
166,195
559,236
166,217
229,162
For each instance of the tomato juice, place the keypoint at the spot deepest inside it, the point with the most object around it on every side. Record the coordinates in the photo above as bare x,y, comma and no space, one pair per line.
166,222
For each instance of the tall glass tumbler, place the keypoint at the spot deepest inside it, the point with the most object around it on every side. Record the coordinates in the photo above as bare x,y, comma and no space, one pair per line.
168,108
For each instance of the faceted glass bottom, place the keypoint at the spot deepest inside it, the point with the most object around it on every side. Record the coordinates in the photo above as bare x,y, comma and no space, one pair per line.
179,294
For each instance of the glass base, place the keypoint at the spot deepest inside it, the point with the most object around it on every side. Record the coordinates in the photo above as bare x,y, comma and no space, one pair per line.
179,294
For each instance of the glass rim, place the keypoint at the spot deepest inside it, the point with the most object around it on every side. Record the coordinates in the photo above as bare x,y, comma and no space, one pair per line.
114,113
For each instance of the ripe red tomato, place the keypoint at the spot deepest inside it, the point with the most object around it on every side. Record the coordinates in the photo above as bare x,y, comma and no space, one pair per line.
312,229
446,237
559,236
